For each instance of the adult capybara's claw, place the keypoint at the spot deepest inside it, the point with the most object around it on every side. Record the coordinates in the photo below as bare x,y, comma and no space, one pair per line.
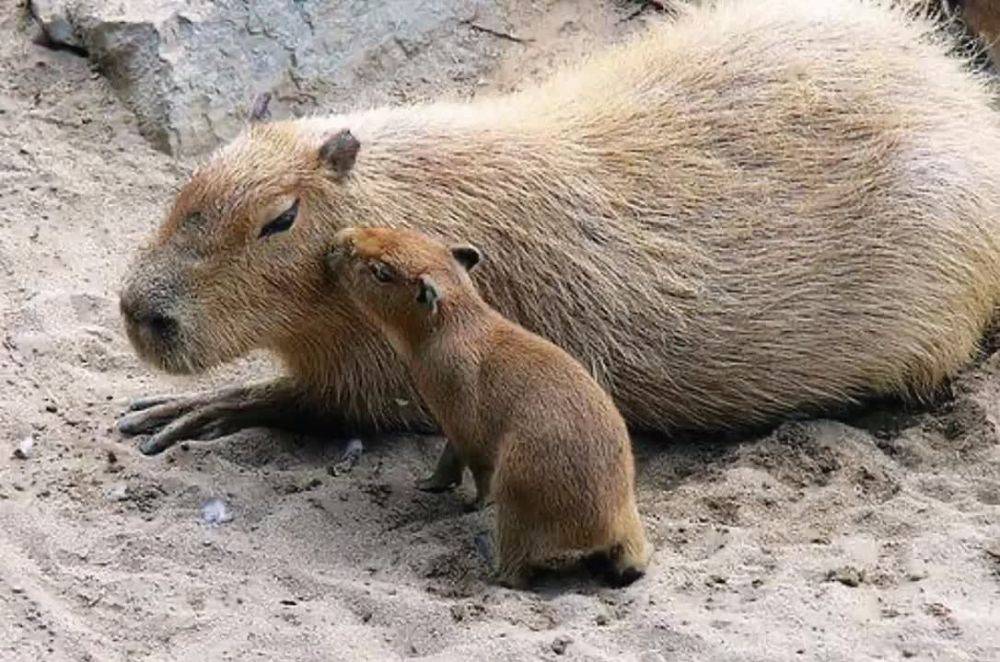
139,404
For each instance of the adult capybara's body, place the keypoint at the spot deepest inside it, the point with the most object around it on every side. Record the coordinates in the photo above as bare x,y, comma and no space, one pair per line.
764,207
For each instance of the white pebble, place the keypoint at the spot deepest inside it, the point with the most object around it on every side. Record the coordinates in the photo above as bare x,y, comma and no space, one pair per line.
23,450
215,512
117,493
354,450
351,456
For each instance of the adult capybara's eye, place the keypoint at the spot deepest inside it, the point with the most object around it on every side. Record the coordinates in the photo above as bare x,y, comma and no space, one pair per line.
382,272
282,222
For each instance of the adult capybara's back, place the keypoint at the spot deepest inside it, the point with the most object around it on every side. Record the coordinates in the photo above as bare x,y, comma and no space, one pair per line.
766,206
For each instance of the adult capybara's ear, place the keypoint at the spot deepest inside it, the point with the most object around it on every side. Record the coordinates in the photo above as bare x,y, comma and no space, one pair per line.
467,256
259,110
427,294
339,152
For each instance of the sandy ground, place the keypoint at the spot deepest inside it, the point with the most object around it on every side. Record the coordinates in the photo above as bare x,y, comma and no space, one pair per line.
874,537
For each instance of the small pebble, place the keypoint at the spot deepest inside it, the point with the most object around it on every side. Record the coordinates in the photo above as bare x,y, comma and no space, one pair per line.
848,576
117,493
353,451
351,456
215,512
23,450
559,645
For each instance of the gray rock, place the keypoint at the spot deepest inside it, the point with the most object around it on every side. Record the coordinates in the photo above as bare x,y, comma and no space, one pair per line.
189,68
54,21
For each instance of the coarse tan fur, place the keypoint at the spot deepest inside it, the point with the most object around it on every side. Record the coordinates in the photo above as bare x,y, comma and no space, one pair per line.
538,433
764,207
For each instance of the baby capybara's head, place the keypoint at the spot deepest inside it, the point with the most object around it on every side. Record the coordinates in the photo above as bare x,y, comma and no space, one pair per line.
399,277
238,262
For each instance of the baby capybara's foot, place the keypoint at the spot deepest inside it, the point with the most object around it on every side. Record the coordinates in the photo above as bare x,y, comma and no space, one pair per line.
435,484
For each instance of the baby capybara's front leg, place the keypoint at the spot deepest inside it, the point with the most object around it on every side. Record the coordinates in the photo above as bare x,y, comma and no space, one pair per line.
448,473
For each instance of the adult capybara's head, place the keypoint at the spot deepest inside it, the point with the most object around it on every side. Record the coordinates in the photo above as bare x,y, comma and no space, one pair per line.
238,262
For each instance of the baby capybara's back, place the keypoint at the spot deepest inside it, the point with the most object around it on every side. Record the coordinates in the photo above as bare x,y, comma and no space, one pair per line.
821,221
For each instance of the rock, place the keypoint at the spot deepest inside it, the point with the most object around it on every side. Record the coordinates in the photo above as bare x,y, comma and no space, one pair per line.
54,21
847,575
189,68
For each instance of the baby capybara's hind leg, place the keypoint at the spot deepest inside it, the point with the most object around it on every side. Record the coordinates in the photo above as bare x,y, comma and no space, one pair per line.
629,556
518,550
625,560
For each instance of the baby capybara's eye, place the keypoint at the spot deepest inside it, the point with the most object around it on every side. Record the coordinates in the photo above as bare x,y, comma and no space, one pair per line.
282,222
382,272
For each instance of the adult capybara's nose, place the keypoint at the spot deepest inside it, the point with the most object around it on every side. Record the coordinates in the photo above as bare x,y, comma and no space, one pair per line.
142,313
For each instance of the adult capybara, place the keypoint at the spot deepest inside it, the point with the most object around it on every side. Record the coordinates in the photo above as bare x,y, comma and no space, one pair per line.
768,206
540,436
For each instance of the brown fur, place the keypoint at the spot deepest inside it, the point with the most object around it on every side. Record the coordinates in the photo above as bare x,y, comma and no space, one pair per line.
976,19
535,429
983,19
761,208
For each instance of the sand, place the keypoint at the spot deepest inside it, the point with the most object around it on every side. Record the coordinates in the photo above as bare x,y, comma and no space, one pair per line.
876,536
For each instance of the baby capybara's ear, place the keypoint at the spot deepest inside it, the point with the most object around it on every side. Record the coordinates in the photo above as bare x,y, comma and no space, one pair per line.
428,294
339,152
334,258
467,256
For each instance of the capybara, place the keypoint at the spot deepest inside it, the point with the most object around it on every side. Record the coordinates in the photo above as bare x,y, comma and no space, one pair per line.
765,207
540,436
